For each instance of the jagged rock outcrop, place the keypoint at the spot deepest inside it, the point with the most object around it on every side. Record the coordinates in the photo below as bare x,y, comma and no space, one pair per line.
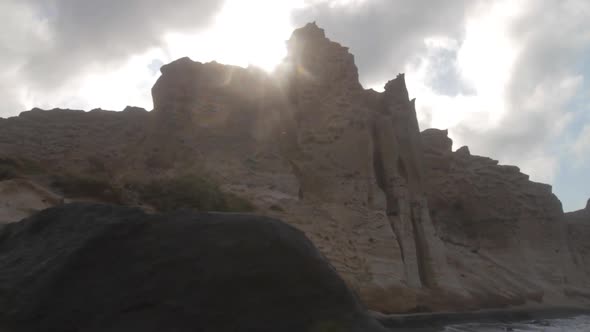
356,156
409,224
106,268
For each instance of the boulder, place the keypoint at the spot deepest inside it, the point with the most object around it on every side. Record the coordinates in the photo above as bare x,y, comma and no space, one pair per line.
92,267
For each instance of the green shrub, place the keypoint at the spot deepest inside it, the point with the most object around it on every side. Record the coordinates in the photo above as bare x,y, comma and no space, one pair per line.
277,208
14,168
7,172
328,326
192,192
86,186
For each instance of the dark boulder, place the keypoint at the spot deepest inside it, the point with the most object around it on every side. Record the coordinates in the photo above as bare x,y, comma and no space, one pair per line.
87,267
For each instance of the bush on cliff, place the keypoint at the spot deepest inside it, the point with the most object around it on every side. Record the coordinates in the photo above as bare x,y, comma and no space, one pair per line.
12,168
190,192
77,185
7,172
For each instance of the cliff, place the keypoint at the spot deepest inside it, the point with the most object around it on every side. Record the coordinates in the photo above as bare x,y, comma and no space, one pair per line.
578,228
409,224
493,219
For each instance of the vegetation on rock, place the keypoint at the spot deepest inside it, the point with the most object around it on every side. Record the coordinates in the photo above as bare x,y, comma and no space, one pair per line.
13,168
190,192
78,185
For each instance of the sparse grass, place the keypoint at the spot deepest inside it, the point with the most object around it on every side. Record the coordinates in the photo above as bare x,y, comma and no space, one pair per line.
7,172
15,168
277,208
192,192
164,194
75,185
328,326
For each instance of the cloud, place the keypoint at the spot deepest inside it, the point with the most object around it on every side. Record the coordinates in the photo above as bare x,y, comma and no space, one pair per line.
20,35
85,31
244,33
581,147
543,80
49,44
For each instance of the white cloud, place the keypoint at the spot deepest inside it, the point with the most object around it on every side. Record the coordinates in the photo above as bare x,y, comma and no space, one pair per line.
126,84
581,147
84,54
22,32
243,33
53,52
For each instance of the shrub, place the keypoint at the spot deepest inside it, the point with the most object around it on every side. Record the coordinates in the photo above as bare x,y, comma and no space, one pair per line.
7,172
87,186
328,326
13,168
192,192
277,208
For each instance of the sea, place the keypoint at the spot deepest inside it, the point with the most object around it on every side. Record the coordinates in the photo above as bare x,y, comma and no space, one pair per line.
574,324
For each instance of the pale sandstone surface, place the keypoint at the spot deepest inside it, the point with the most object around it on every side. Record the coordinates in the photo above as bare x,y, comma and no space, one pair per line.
20,198
504,233
394,210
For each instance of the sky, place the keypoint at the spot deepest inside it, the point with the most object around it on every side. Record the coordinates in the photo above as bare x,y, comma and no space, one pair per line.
508,78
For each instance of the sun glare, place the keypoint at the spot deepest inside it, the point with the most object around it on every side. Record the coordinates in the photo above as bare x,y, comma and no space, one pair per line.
244,33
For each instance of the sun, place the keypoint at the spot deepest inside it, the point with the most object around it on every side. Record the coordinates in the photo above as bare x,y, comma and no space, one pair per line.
243,33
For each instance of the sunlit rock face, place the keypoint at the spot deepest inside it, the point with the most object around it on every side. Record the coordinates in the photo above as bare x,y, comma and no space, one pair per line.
503,232
343,163
395,211
356,155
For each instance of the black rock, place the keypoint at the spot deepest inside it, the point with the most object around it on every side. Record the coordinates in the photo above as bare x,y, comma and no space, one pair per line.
89,267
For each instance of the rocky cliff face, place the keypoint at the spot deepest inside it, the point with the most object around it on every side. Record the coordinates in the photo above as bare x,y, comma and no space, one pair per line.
72,138
394,210
493,219
578,228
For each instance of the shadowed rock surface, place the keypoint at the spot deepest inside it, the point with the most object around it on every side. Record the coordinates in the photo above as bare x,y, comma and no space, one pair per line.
88,267
578,226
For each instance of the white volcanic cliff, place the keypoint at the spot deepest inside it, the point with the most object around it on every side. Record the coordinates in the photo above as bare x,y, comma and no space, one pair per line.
394,210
